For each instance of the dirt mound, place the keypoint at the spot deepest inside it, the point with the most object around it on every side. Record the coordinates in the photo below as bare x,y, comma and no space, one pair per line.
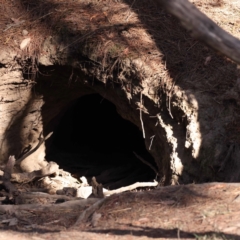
182,95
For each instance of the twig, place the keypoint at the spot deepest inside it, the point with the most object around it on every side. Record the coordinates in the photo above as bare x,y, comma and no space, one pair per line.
13,25
130,8
152,137
146,162
169,107
140,109
131,187
41,140
120,210
43,16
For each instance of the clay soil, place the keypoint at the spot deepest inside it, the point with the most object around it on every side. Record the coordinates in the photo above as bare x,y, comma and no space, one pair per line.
206,211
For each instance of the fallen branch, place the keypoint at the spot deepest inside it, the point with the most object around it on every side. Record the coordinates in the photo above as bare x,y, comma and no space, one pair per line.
140,109
203,27
75,204
89,211
131,187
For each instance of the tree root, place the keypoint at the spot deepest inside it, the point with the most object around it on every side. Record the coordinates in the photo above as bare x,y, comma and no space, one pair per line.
89,211
26,177
75,204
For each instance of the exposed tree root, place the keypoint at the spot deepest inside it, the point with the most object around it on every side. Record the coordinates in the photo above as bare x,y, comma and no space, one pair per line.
75,204
26,177
89,211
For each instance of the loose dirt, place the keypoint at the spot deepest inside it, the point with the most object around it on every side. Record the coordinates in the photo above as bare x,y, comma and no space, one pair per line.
206,211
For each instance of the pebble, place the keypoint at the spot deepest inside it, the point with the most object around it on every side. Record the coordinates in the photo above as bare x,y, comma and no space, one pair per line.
24,32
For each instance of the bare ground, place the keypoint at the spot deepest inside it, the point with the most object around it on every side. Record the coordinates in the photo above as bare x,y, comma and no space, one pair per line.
204,211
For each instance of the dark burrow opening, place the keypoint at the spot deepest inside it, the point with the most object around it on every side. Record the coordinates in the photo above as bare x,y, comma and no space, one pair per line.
92,139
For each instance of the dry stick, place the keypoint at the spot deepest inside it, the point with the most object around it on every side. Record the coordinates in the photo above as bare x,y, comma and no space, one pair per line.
41,140
42,17
89,211
152,137
169,107
131,187
140,109
130,8
203,27
146,162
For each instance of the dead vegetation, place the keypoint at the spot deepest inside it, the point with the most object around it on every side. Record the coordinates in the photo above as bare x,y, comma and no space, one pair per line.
112,33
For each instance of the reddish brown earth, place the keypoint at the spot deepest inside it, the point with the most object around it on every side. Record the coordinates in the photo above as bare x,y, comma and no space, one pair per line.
206,211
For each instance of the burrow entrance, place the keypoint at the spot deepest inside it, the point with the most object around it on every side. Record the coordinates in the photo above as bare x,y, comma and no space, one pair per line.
92,139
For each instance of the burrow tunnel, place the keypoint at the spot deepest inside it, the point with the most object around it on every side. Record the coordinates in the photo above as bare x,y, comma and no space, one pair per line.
92,139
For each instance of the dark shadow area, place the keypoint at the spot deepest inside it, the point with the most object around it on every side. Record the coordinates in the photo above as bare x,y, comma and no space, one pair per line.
165,233
92,139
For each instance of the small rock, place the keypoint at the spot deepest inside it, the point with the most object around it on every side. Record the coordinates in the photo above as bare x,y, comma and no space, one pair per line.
13,222
95,218
84,181
143,220
24,32
84,192
104,9
25,43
